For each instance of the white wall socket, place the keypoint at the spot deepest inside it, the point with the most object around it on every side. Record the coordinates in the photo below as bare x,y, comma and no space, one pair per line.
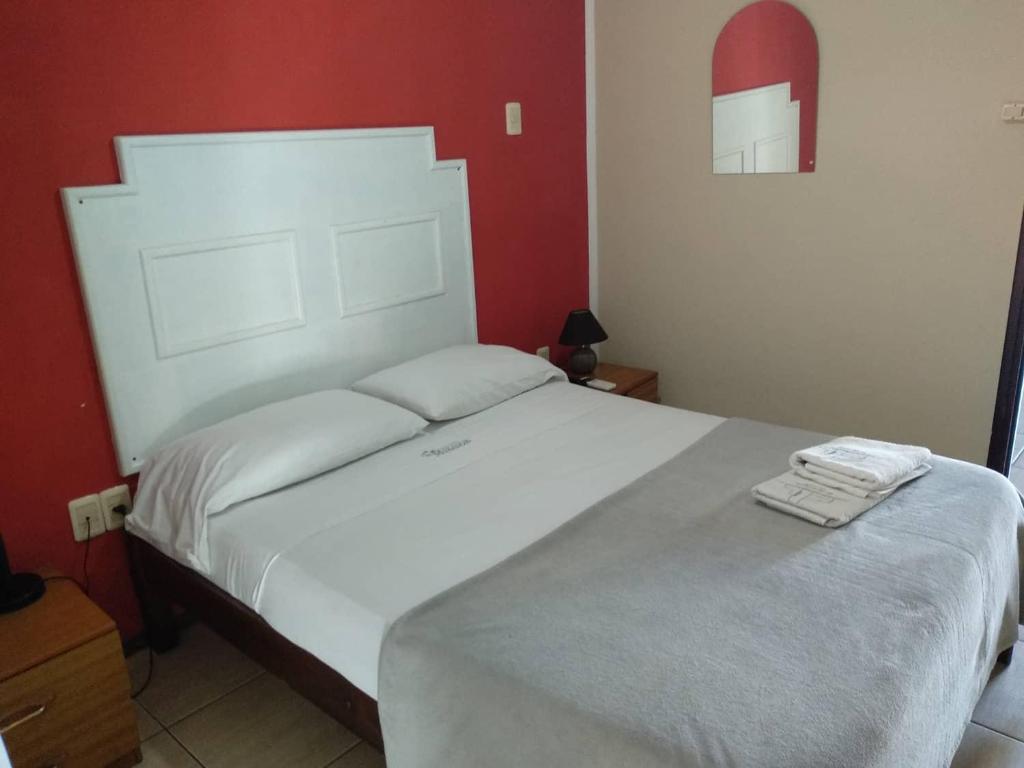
86,517
117,496
544,352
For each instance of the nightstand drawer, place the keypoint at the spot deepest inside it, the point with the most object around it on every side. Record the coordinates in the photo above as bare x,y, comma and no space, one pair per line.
73,710
646,391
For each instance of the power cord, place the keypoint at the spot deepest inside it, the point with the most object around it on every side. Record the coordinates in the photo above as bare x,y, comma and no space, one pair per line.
121,509
85,557
149,674
84,584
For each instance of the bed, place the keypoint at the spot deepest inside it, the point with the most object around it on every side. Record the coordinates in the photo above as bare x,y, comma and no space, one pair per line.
331,584
403,576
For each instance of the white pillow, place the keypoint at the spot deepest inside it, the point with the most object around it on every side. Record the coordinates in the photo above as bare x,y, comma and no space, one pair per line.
458,381
255,453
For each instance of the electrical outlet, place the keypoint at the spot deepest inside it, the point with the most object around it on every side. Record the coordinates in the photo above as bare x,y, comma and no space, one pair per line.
86,517
117,496
544,352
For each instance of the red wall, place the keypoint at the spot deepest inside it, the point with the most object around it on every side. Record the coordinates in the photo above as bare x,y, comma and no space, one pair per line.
75,74
771,42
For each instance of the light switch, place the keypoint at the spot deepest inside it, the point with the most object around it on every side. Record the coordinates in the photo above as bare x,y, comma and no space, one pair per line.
1013,113
513,118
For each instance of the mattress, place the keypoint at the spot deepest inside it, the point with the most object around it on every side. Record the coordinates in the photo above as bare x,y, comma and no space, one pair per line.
332,562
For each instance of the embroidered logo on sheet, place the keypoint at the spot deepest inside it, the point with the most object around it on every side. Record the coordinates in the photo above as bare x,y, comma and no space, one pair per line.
452,446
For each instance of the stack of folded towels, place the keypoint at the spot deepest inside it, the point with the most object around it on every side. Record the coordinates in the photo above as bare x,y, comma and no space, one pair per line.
832,483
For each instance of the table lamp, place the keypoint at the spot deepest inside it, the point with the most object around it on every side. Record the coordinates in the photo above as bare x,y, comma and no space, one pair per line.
581,329
17,589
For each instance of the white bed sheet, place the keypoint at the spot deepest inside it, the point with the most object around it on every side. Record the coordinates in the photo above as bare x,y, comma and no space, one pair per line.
331,562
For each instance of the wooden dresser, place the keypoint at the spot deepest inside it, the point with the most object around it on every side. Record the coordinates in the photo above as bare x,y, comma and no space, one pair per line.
638,383
65,696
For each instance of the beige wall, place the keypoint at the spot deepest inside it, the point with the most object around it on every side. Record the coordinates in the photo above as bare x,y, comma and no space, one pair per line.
869,297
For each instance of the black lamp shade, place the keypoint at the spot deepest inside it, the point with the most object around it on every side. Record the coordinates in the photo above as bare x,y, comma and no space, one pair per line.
581,328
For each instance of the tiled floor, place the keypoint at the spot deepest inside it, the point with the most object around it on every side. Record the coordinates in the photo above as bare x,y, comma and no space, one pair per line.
208,705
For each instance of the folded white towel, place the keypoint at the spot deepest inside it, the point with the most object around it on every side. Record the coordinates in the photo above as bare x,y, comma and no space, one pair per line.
796,495
858,463
833,483
843,482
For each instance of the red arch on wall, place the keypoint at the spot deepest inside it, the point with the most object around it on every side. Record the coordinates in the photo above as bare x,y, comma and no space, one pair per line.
771,42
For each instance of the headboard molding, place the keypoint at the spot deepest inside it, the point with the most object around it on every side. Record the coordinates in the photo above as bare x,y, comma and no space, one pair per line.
231,270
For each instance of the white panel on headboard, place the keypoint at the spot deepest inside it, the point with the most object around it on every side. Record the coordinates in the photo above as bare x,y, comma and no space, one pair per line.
232,270
205,294
385,263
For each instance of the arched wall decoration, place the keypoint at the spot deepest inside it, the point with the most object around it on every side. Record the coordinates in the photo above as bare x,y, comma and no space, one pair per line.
764,87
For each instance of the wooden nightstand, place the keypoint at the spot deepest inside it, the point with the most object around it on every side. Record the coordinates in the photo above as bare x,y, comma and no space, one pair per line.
631,382
65,697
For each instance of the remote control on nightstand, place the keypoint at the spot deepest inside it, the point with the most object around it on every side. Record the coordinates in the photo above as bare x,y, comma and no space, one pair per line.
604,386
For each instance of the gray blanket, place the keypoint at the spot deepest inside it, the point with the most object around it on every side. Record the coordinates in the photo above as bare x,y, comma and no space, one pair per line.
679,623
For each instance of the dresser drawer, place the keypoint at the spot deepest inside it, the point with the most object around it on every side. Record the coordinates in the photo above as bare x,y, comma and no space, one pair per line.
646,391
73,710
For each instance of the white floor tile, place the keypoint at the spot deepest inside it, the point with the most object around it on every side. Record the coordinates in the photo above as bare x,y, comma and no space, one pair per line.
982,748
263,723
363,756
162,751
1002,704
200,670
147,725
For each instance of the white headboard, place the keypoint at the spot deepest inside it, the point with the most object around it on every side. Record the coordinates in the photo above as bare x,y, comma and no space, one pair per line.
231,270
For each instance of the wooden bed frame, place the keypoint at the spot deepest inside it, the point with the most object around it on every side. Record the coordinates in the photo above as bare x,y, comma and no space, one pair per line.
162,583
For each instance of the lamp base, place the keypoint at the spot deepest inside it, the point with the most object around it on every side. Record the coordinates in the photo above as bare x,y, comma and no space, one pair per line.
20,590
582,362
